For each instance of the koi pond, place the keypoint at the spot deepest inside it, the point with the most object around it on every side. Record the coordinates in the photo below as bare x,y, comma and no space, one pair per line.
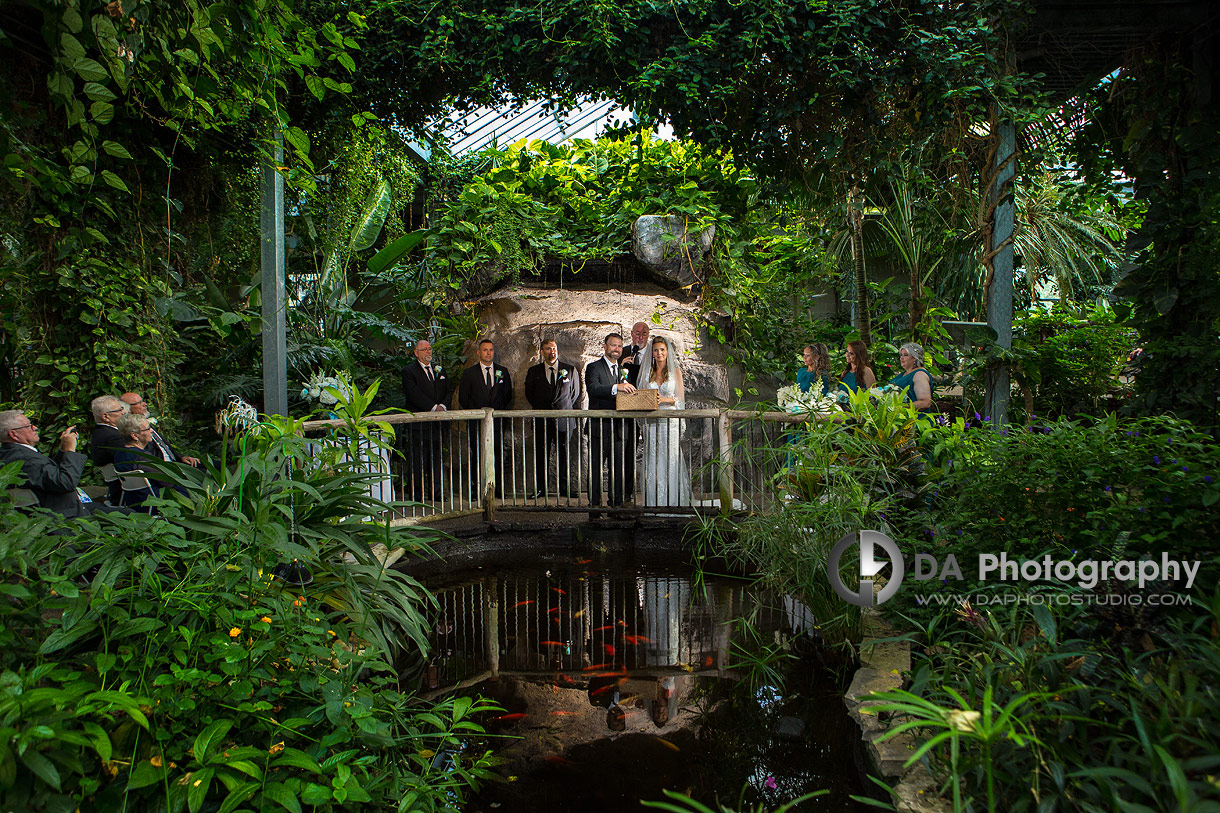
623,674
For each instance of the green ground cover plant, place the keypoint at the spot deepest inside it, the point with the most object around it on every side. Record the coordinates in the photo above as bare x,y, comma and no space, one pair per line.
1051,696
172,663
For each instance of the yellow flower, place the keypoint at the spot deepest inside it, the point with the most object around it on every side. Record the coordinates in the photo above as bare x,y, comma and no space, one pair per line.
275,749
156,762
299,602
331,632
963,719
266,619
236,631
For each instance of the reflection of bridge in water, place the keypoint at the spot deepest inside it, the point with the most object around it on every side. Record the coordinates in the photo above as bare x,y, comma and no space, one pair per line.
580,624
449,466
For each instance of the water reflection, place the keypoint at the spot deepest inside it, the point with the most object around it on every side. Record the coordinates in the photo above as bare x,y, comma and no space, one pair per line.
616,680
581,621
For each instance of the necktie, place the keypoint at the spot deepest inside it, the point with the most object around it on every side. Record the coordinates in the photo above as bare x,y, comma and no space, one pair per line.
614,372
487,376
428,371
550,374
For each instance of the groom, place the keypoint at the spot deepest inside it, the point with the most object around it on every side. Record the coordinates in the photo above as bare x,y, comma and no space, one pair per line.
604,379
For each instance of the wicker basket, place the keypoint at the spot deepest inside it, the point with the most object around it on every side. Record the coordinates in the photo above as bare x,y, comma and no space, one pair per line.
638,401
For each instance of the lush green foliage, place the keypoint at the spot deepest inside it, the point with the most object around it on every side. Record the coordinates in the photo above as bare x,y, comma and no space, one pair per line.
1040,707
1065,362
1151,124
101,107
1075,488
167,663
1053,702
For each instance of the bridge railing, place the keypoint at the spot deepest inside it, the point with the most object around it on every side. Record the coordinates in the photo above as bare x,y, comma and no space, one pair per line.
467,462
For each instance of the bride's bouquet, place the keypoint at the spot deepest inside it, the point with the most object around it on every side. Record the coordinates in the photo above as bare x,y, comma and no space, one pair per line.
791,399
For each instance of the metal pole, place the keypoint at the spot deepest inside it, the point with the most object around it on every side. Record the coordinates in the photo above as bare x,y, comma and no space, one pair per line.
999,299
275,348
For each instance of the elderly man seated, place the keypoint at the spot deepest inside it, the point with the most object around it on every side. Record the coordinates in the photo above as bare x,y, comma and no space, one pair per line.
158,446
106,440
53,480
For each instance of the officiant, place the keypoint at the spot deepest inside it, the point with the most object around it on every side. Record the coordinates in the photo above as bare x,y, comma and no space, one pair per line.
552,384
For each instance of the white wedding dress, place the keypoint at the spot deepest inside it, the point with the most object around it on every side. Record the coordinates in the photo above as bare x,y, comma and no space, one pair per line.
665,477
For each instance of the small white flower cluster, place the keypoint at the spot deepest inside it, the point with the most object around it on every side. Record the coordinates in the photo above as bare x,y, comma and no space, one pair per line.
791,399
315,390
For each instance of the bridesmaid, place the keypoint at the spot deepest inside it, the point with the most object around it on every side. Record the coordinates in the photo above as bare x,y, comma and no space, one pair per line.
817,368
859,372
915,381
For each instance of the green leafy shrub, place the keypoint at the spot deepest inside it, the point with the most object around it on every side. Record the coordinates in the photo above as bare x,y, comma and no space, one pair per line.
165,663
1075,487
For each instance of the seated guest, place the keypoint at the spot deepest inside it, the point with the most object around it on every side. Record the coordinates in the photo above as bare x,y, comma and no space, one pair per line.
134,456
105,438
859,372
53,480
816,369
915,381
160,446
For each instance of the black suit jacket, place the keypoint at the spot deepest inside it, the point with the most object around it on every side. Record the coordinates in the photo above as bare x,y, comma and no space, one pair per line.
423,393
628,361
564,395
600,384
103,443
155,445
52,479
473,391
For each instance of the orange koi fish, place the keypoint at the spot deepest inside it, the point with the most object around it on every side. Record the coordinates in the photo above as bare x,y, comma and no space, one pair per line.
507,717
552,643
637,639
603,629
521,604
560,592
667,743
609,649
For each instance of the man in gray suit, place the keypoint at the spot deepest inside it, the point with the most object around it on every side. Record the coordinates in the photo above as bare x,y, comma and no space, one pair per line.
53,480
553,384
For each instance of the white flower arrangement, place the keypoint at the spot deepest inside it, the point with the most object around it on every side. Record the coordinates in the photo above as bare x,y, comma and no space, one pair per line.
316,390
791,399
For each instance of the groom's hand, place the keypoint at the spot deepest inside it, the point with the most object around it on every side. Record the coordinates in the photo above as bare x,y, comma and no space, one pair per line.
626,388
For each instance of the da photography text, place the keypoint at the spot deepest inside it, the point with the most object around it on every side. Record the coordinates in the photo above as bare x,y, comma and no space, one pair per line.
1086,573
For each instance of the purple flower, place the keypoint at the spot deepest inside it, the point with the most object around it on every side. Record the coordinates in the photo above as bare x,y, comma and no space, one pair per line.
1156,460
1185,468
770,784
1107,489
1207,478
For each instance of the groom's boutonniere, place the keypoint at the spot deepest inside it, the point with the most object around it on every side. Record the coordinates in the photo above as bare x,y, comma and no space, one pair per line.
439,370
563,375
622,374
499,376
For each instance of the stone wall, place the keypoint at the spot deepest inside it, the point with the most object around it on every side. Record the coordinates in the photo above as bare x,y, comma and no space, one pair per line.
518,318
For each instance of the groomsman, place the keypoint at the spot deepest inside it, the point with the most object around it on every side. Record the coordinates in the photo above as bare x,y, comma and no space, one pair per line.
605,379
553,384
486,384
427,390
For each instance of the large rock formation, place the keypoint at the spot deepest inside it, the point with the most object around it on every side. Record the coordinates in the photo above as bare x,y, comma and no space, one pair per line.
663,246
518,318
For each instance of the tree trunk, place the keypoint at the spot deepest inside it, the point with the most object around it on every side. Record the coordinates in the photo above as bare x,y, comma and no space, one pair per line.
856,220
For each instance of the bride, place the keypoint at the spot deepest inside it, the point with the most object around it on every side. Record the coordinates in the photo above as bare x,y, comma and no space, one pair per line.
665,478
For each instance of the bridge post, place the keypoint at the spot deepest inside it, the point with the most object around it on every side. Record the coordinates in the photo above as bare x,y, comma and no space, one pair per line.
488,427
724,475
491,624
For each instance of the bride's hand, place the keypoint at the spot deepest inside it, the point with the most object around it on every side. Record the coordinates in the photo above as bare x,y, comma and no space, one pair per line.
666,400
